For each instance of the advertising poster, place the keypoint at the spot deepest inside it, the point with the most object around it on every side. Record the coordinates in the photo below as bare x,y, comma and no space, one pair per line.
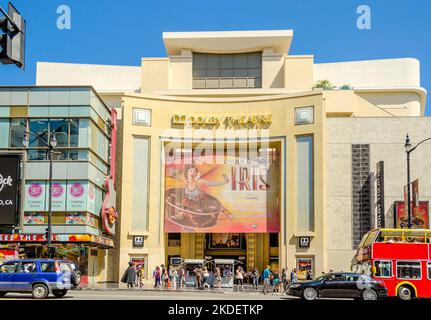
225,241
91,198
58,196
76,196
9,184
35,196
304,265
76,218
34,218
420,217
223,193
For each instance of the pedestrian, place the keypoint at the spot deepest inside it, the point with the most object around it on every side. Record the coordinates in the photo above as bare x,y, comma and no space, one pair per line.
255,278
293,276
174,278
129,275
309,275
276,281
140,275
157,277
217,278
240,278
284,278
165,277
162,274
198,277
182,278
205,278
266,279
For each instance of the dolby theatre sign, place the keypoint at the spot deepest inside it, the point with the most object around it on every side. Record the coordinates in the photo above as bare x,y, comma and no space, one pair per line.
9,178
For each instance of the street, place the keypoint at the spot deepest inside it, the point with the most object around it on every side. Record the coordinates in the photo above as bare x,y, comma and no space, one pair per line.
137,294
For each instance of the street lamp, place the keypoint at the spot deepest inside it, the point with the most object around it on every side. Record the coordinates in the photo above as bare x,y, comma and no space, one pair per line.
51,144
409,149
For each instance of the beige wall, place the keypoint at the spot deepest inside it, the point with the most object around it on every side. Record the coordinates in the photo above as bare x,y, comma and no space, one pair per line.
154,74
386,137
282,111
298,73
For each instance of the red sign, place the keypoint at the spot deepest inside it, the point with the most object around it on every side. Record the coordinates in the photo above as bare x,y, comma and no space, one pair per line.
420,215
22,237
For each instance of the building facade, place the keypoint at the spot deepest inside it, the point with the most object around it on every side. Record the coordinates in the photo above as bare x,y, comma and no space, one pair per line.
230,151
82,125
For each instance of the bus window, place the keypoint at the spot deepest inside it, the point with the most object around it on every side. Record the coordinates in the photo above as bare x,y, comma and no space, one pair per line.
429,270
383,268
371,238
408,270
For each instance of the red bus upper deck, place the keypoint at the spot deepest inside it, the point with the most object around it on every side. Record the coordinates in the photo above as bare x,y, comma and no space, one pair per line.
401,258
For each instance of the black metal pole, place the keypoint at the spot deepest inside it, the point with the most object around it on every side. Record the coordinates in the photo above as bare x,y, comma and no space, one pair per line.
50,202
409,207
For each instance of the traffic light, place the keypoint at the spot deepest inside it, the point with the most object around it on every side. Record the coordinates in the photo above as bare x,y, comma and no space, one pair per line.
12,37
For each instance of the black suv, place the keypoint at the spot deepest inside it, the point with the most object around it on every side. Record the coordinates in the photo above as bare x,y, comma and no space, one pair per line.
339,285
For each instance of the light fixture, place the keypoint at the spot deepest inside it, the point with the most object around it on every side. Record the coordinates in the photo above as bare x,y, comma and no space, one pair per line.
408,145
53,140
26,140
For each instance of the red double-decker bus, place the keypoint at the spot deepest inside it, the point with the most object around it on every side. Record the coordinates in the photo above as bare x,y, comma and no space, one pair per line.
401,258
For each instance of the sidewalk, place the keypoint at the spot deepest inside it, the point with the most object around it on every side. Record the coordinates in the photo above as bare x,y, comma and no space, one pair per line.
116,286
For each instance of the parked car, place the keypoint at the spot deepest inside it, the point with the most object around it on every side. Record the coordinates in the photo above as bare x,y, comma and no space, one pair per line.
339,285
40,277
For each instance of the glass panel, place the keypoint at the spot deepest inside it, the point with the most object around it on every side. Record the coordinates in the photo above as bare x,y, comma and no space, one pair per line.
5,97
139,210
37,154
27,267
39,111
79,96
254,60
61,129
240,83
198,83
408,270
48,266
226,83
59,111
199,60
226,61
254,73
383,268
240,72
59,97
240,61
199,73
39,129
9,267
304,176
74,132
18,97
213,73
4,133
212,83
226,73
38,97
17,131
213,61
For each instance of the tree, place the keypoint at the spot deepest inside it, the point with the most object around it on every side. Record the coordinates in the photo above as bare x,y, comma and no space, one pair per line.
323,84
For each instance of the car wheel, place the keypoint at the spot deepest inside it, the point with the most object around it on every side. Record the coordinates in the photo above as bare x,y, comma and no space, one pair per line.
405,293
39,291
2,293
369,294
76,278
59,293
309,294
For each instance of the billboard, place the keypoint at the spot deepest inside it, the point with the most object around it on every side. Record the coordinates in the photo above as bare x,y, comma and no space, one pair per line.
223,192
9,189
420,216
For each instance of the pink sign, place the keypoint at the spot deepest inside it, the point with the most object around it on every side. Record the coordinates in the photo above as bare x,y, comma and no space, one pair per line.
76,190
35,190
57,190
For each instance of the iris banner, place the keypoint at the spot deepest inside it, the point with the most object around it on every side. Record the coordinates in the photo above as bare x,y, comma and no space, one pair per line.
221,193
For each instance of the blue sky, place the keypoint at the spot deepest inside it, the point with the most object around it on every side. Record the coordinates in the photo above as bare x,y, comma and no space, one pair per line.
120,32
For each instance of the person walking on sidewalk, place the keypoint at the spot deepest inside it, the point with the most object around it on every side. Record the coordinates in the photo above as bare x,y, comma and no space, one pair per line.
255,278
182,278
294,276
157,276
129,275
266,279
217,278
240,278
140,276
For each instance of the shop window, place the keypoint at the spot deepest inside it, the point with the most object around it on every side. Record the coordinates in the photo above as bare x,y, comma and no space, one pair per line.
383,268
174,239
409,270
273,239
60,127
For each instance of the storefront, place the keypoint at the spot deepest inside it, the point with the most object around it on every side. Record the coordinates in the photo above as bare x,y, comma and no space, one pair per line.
83,198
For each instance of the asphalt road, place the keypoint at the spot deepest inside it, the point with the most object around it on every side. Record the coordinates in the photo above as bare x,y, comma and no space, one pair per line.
155,295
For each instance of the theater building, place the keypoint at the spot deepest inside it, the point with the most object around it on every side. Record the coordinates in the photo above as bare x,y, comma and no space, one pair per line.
230,151
81,170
